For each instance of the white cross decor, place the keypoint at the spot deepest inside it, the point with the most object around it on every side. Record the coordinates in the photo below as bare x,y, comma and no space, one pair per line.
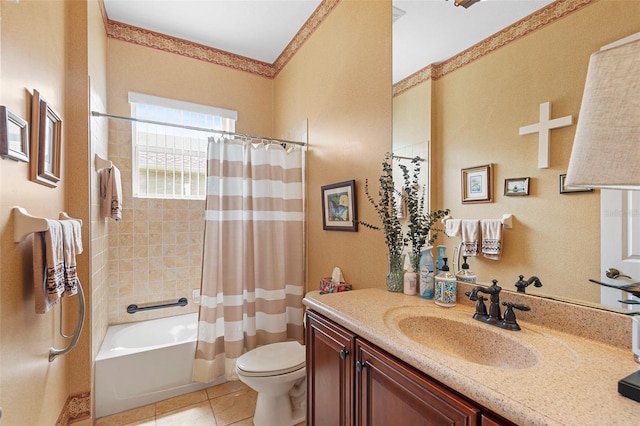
543,128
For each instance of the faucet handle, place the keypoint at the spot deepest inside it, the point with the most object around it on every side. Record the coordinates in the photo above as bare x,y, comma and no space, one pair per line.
510,316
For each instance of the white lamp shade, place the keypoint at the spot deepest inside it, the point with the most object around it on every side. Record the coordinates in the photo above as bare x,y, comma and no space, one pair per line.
606,149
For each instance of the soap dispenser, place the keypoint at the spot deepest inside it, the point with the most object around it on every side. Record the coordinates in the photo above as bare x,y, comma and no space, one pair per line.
445,287
427,277
465,274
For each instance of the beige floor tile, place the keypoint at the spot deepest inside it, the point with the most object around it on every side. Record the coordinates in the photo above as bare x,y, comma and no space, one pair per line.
140,414
194,415
245,422
234,407
185,400
225,388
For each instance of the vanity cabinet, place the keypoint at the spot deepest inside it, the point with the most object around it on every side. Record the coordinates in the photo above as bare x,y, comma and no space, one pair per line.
350,381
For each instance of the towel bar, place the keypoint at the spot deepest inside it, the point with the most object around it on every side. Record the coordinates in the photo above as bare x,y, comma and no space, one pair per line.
25,224
133,308
507,220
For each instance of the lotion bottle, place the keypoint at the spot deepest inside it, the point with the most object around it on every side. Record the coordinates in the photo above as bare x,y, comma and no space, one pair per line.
410,282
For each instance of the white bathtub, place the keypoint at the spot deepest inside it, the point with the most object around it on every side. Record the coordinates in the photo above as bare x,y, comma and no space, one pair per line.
145,362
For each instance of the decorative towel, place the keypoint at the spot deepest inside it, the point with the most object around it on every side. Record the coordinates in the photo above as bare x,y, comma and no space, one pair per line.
491,238
48,266
452,227
70,229
54,262
470,237
111,193
401,206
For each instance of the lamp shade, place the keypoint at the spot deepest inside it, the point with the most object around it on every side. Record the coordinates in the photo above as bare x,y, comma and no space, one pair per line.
606,148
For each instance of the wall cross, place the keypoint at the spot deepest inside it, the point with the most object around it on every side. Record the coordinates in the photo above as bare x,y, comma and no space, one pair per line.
543,128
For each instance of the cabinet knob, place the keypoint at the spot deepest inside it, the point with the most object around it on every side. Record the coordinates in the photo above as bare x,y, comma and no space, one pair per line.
360,365
344,353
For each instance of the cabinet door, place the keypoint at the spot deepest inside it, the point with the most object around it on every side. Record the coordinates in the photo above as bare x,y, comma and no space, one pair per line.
329,373
389,393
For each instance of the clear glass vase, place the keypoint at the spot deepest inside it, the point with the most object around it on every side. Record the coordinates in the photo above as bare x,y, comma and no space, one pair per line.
395,274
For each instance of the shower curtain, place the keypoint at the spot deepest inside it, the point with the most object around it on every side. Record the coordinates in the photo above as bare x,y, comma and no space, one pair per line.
253,259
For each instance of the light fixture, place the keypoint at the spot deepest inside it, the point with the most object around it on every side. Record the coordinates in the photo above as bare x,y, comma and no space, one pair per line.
465,3
606,148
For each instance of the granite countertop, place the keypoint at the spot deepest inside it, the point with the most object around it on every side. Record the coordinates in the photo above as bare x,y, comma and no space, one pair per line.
571,381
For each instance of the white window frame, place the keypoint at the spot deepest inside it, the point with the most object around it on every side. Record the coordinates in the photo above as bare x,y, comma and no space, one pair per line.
174,139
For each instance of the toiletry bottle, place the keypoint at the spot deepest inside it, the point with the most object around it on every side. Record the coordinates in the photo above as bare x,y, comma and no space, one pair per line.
441,253
426,274
410,281
445,286
465,274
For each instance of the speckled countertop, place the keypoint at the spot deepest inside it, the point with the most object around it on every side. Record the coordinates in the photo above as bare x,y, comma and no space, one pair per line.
564,379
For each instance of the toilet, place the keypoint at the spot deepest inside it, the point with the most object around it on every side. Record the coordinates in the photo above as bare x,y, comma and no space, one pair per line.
277,372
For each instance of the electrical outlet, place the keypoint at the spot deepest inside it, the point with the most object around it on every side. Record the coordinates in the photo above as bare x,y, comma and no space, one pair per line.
195,295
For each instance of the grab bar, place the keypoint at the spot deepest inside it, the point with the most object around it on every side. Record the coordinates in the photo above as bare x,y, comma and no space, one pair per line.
54,352
133,308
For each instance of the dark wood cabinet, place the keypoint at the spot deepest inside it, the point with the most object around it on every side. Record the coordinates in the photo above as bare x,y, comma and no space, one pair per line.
388,393
330,373
352,382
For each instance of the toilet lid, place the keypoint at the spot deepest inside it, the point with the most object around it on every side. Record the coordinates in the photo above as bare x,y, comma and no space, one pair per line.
272,359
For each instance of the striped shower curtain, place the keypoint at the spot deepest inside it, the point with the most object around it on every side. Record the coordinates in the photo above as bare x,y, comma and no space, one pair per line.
253,260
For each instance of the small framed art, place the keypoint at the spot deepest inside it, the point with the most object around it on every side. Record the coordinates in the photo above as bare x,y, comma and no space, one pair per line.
476,184
339,211
516,186
571,189
14,136
46,137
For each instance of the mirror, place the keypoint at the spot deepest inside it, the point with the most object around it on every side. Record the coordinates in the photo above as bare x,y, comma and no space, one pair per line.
465,110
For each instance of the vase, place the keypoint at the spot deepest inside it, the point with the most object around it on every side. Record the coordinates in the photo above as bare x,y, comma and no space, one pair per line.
395,274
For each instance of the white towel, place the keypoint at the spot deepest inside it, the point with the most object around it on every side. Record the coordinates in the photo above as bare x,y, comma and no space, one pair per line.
111,193
470,229
70,229
452,227
48,266
491,238
54,262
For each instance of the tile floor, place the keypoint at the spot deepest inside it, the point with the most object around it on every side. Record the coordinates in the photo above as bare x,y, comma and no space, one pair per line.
231,403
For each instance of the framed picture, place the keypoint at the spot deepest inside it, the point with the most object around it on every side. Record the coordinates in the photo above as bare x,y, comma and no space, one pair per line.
571,189
46,136
14,136
516,186
339,207
476,184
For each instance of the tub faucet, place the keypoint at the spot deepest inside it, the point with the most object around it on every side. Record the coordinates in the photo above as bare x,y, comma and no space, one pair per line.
522,284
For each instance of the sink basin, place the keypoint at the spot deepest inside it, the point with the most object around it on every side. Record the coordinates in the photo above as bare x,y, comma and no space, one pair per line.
465,339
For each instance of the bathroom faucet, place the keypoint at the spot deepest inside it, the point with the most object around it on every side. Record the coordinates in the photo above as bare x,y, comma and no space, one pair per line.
521,284
494,317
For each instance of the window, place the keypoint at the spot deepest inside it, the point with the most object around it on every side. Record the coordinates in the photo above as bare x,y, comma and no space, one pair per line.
170,161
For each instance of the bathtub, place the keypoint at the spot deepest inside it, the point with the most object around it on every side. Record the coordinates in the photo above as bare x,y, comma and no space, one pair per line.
145,362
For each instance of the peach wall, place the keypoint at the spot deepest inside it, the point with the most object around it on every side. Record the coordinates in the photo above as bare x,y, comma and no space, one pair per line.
478,110
35,51
340,80
155,251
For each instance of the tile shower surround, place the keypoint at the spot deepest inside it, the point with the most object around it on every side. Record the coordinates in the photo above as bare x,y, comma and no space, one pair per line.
155,250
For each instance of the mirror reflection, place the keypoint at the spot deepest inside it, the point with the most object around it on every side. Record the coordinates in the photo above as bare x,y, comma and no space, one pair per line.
466,88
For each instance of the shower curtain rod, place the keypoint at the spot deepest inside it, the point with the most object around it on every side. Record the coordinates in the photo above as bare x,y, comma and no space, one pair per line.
400,157
201,129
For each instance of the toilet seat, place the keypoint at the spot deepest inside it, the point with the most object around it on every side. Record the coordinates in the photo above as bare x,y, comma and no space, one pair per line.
272,359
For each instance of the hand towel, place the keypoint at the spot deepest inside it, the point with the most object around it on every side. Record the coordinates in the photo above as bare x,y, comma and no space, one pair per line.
491,238
401,206
70,247
452,227
470,229
111,193
48,266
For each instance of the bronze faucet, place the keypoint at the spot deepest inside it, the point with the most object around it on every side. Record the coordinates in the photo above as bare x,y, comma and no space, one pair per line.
521,284
494,317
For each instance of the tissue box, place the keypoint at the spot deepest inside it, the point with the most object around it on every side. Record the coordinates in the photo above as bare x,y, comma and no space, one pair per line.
327,286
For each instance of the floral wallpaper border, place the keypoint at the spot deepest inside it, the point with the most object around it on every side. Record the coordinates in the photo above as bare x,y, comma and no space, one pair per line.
131,34
545,16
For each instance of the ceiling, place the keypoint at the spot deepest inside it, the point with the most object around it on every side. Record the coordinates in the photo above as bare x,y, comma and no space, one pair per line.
430,31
